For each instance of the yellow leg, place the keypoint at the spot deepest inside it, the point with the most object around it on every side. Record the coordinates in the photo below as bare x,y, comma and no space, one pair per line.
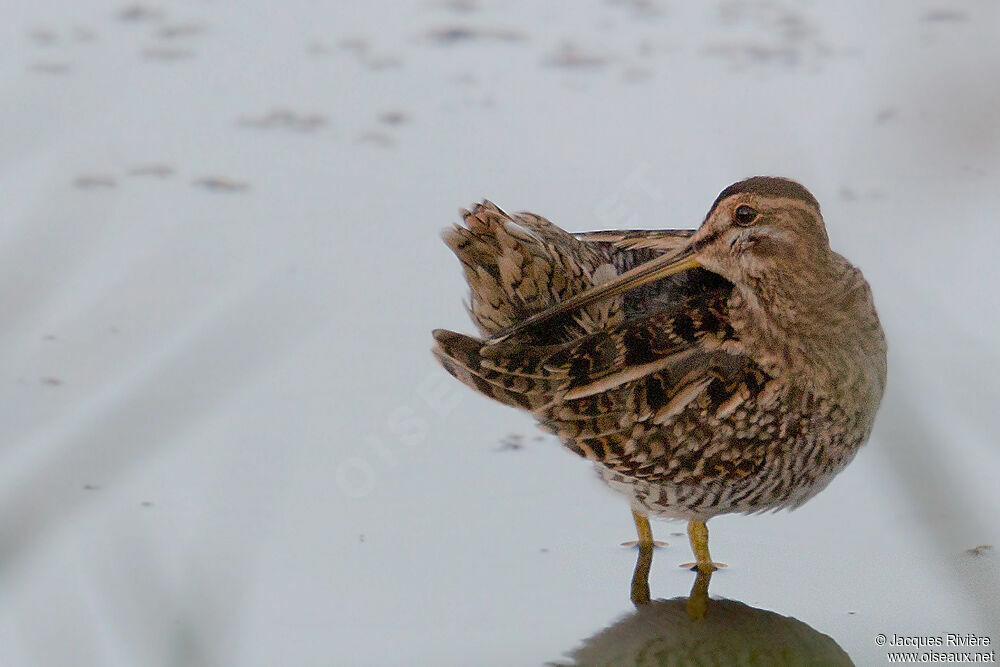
698,534
642,527
645,533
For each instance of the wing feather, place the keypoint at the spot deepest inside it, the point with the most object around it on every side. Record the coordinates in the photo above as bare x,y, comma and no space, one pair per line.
663,240
647,386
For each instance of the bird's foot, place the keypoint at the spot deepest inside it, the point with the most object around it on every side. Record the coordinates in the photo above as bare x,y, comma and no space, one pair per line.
710,566
698,533
637,543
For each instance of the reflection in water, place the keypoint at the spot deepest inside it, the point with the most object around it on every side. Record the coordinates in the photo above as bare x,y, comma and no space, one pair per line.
698,631
697,601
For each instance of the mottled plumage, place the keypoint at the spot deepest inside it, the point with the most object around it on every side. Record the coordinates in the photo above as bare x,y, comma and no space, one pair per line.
733,368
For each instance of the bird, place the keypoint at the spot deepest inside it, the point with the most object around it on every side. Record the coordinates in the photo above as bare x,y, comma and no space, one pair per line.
733,368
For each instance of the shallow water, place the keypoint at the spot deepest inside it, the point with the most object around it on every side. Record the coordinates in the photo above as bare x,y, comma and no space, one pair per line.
224,440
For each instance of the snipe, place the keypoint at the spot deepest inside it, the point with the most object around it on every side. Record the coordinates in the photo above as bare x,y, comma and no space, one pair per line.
733,368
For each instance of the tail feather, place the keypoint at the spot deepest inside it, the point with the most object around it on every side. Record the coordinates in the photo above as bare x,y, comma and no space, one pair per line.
520,265
460,356
478,384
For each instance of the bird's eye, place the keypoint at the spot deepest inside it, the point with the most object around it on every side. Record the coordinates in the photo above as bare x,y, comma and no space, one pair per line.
744,215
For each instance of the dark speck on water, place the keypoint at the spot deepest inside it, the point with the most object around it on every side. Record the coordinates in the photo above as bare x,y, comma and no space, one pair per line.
944,16
885,115
455,34
136,13
393,118
89,181
980,550
571,56
286,119
219,184
42,36
514,441
158,170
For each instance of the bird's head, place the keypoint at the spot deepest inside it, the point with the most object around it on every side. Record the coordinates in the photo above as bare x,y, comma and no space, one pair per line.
762,228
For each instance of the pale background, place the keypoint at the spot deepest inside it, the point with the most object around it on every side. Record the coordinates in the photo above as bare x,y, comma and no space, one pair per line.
223,439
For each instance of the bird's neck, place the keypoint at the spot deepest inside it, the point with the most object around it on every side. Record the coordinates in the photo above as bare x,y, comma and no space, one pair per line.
821,325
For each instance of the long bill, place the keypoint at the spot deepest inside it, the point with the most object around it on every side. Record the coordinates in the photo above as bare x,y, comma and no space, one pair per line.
653,270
